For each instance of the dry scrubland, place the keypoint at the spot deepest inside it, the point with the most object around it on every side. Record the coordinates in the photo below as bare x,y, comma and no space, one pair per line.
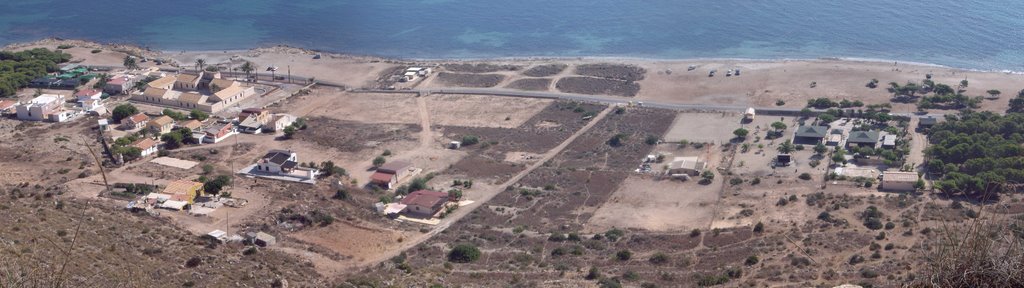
583,218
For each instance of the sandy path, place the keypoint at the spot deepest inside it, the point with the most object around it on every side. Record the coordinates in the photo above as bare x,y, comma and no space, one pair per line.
426,135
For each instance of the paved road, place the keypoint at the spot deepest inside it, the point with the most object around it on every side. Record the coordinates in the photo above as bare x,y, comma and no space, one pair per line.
612,100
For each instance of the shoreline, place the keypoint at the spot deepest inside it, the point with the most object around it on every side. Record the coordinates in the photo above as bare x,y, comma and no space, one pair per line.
334,54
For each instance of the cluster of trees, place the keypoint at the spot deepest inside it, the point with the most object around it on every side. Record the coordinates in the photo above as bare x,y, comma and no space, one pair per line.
975,152
179,116
177,138
122,146
17,69
871,113
949,101
123,111
299,124
825,103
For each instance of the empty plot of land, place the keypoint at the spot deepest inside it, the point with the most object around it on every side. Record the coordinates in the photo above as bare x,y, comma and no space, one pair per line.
483,111
657,205
545,70
470,80
598,86
530,84
174,162
480,68
353,136
359,107
703,127
612,71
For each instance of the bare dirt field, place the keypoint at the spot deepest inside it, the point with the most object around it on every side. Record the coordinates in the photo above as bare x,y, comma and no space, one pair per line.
530,84
622,72
482,111
545,70
597,86
359,107
480,67
665,205
469,80
704,127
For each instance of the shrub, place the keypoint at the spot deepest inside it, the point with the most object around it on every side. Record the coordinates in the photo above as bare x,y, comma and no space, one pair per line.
94,51
856,259
341,194
464,253
379,161
651,140
735,181
759,227
694,232
623,255
470,140
593,273
65,46
659,258
752,260
193,262
556,237
805,176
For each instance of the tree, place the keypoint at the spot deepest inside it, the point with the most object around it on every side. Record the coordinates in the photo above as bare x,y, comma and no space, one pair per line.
454,194
123,111
379,161
838,157
289,132
994,93
172,140
248,68
740,133
820,148
102,82
779,126
826,118
464,253
759,227
963,83
198,115
1017,104
623,255
216,185
786,147
130,63
200,64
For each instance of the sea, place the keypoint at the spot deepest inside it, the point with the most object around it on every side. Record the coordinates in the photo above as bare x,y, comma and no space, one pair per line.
972,34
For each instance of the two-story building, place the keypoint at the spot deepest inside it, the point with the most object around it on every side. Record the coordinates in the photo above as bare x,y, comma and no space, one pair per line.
161,125
137,121
46,107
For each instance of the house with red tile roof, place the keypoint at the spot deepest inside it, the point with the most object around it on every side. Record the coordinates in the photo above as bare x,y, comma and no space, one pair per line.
424,203
136,121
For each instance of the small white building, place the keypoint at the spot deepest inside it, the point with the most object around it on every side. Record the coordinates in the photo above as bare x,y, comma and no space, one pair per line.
46,107
279,121
899,181
692,166
284,163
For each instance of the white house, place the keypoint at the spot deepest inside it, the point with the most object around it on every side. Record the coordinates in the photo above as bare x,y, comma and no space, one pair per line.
44,107
148,146
284,163
279,121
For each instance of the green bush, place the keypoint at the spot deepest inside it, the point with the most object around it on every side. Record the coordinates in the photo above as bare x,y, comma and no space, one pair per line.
464,253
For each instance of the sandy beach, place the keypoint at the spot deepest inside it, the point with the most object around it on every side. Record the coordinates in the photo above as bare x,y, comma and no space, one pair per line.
762,83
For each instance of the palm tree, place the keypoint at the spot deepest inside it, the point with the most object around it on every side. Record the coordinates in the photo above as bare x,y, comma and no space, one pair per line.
130,63
248,67
200,63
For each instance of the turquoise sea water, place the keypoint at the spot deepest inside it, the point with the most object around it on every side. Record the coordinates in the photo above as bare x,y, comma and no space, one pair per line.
961,33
